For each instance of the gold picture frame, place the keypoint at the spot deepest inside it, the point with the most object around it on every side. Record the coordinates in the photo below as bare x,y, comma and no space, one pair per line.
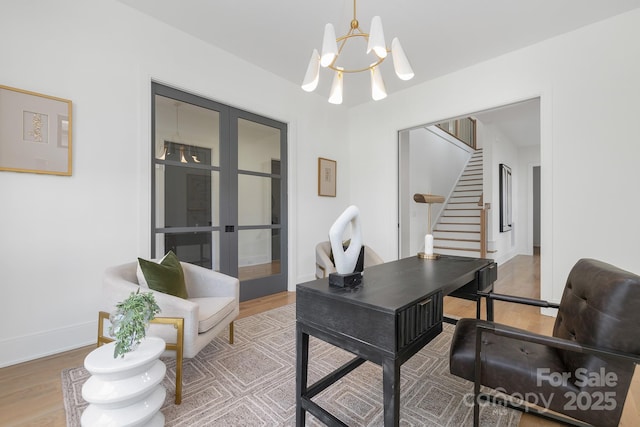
326,177
35,132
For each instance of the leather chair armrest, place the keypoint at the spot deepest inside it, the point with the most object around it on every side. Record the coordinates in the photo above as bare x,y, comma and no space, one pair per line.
523,335
518,300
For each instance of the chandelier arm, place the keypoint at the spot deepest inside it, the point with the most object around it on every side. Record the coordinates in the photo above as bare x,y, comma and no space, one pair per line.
374,65
343,40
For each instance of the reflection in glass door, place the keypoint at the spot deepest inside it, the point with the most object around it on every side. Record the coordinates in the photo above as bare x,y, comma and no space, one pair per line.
187,181
261,204
219,190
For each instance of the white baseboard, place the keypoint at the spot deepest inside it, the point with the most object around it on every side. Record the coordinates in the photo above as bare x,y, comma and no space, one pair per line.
29,347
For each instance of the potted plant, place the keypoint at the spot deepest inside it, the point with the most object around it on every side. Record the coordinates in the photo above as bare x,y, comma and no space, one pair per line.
126,389
130,321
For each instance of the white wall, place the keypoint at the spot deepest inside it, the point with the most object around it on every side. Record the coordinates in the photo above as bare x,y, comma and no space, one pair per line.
528,157
503,151
587,83
58,234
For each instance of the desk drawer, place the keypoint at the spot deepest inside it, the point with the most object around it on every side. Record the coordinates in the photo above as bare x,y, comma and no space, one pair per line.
414,321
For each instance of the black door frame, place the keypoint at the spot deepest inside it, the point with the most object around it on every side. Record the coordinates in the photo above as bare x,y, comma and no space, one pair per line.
228,202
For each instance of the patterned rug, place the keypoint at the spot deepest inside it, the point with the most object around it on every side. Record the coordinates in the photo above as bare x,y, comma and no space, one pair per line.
252,383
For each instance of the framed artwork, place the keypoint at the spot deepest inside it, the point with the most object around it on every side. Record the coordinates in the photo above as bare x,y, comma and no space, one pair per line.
505,198
35,132
326,177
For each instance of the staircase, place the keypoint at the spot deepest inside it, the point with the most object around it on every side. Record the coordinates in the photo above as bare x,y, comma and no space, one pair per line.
457,231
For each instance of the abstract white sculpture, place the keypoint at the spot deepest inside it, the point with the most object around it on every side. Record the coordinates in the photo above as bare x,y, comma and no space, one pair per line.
346,261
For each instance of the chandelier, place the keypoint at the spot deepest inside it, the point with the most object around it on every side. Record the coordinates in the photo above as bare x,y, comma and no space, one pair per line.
332,48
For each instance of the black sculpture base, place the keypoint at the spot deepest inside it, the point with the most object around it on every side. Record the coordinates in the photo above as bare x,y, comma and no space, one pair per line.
349,280
345,280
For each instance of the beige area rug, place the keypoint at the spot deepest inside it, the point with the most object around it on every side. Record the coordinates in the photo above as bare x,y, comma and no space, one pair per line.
252,383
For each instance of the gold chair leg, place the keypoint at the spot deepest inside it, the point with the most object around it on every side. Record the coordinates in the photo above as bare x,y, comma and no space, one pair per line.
102,316
231,333
178,323
179,356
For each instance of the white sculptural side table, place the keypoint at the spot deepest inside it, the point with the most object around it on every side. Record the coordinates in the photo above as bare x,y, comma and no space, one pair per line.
125,391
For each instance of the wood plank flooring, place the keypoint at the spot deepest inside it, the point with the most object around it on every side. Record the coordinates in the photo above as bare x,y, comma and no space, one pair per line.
31,394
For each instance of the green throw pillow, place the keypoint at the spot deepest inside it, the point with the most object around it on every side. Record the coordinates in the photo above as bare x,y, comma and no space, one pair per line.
166,276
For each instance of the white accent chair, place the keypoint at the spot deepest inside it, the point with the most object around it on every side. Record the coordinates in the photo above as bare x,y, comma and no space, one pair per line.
213,304
324,265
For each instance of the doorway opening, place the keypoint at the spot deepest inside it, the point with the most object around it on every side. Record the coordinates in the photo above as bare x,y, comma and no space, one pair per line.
508,135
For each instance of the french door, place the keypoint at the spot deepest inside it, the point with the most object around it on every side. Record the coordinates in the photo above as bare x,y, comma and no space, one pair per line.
219,189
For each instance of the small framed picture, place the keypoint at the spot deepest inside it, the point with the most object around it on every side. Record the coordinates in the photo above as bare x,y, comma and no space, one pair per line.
36,132
326,177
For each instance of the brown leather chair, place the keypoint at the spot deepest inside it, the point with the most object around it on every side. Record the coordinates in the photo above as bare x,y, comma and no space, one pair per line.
583,371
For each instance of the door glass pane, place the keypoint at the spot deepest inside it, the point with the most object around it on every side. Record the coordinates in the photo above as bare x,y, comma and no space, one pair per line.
258,200
186,133
258,145
186,197
258,253
196,248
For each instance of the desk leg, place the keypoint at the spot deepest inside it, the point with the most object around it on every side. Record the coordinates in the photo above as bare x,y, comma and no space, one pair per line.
302,370
391,392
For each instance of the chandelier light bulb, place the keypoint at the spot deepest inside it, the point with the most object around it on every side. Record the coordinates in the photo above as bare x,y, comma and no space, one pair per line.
378,91
400,62
335,96
311,78
329,46
376,38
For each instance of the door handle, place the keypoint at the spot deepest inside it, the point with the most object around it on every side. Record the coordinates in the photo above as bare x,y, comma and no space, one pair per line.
229,228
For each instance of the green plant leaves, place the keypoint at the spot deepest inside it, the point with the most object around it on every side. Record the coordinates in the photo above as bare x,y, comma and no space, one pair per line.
130,321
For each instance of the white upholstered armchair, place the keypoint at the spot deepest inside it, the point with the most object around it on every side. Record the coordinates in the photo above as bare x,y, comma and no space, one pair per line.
212,305
324,265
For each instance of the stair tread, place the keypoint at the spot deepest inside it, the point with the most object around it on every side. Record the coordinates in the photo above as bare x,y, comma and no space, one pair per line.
465,197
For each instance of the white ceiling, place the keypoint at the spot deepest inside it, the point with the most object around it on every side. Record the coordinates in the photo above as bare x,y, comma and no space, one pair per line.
438,36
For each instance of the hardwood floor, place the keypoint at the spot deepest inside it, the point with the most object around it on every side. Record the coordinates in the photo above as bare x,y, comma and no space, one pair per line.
31,394
258,270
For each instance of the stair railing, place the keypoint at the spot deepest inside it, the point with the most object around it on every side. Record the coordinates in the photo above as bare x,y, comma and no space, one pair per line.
484,212
462,129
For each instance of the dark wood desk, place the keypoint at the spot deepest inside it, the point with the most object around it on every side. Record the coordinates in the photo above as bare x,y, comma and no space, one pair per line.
387,319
